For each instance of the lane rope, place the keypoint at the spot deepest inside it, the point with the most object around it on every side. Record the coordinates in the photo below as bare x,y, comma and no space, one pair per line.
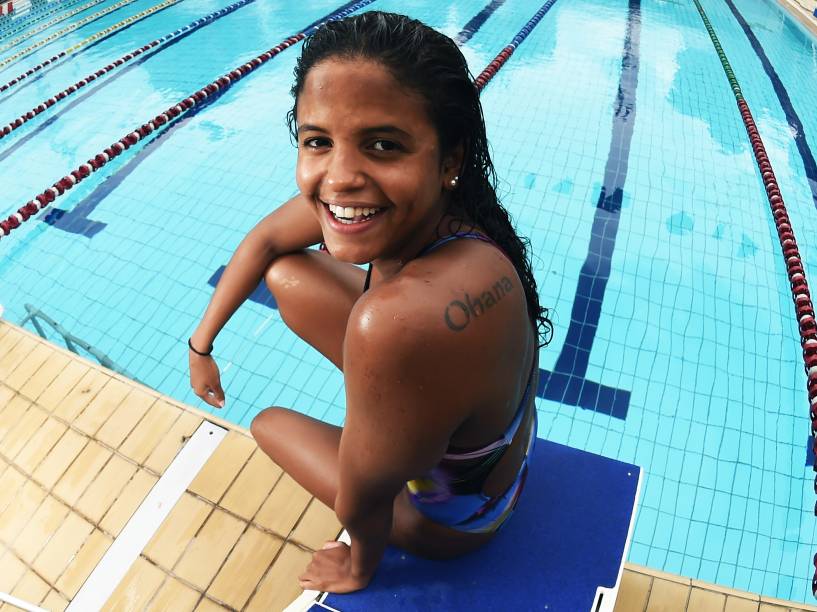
32,17
218,86
102,34
222,83
52,37
804,309
491,69
45,26
68,91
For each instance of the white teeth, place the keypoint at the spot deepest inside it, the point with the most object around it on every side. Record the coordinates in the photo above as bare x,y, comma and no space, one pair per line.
350,213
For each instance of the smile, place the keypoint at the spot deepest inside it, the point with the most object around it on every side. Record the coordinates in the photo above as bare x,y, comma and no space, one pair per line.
349,215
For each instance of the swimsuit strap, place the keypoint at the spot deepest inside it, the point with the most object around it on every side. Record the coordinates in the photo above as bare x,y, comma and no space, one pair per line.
455,236
458,454
439,243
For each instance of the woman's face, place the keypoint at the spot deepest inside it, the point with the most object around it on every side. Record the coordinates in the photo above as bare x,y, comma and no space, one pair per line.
369,161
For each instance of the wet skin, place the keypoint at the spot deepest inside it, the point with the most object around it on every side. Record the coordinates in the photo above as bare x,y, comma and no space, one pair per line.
418,375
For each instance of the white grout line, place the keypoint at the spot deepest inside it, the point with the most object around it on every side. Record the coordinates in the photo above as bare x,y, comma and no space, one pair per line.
148,517
19,603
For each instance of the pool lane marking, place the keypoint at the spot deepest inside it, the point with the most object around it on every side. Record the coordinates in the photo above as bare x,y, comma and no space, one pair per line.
793,119
52,37
473,26
175,112
45,26
801,295
567,383
147,519
95,38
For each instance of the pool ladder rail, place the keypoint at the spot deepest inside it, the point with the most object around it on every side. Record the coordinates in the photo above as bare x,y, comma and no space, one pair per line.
71,341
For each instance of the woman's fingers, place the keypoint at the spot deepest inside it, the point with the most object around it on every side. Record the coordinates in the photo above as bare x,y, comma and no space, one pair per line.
205,380
215,398
219,396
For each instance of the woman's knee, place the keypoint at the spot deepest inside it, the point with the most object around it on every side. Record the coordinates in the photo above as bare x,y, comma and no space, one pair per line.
283,274
265,427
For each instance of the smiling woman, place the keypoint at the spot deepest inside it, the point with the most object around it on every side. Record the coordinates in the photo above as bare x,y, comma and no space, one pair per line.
393,170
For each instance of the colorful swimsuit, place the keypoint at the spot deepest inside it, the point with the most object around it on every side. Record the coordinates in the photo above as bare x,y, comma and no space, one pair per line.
451,494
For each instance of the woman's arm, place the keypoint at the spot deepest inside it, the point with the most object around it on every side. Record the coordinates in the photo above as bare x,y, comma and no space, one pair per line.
290,227
401,412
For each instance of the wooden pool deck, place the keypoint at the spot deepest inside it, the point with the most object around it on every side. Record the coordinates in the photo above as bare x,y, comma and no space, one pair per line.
802,11
80,449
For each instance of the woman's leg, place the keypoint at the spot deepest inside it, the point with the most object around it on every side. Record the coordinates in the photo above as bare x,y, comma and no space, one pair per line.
307,449
315,294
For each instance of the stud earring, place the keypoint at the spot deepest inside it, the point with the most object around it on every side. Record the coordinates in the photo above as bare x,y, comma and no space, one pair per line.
454,182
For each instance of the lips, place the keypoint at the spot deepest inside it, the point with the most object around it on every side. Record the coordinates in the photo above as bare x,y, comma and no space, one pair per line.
351,217
352,211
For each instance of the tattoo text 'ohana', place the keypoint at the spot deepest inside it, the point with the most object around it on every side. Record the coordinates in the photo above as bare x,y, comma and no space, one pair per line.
459,312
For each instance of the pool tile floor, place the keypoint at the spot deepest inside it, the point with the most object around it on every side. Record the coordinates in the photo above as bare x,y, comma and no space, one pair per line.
81,447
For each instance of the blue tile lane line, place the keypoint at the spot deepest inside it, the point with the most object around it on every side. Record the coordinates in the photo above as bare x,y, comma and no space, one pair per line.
567,383
473,26
792,117
260,295
76,220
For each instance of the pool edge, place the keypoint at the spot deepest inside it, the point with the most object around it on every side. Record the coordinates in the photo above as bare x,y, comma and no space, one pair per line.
642,588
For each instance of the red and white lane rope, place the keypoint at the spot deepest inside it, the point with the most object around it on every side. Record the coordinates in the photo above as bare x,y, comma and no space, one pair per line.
491,69
101,34
803,307
51,37
83,171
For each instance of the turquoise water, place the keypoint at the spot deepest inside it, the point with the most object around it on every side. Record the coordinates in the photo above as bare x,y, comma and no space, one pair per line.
676,345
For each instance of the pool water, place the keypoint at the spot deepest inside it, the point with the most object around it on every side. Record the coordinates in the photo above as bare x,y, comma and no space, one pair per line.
622,156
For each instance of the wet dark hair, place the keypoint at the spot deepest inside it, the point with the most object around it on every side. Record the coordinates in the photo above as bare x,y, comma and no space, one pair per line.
430,64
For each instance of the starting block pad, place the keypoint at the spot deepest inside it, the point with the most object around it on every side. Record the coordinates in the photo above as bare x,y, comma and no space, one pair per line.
563,549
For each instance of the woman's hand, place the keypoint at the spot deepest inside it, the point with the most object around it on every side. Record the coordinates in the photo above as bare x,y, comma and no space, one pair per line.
331,571
205,379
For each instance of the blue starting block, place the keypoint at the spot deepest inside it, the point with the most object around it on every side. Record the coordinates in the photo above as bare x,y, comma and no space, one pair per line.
562,550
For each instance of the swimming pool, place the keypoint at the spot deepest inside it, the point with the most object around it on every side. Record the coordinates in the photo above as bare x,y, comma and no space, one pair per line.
621,155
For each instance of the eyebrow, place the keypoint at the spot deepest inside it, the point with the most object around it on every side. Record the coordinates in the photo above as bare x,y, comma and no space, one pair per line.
379,129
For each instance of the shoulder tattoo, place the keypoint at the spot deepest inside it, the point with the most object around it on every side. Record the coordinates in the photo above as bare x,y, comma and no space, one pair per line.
459,313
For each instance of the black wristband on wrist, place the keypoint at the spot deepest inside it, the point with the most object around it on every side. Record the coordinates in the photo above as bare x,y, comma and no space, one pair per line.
209,352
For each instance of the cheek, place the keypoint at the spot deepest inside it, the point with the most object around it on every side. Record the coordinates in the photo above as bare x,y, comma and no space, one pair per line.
306,175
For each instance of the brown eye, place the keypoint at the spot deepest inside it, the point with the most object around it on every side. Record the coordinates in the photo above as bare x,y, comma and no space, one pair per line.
316,143
385,145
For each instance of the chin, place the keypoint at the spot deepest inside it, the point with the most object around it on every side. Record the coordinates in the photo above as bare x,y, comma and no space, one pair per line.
349,254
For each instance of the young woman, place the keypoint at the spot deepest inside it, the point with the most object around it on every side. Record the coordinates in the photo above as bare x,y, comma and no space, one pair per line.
437,342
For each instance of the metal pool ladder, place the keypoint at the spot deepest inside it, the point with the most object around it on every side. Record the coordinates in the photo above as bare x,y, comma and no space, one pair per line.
35,315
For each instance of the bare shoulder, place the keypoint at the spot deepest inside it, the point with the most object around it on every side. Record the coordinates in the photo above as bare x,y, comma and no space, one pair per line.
445,304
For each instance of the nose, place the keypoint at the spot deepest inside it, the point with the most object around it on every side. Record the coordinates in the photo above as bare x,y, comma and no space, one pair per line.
344,171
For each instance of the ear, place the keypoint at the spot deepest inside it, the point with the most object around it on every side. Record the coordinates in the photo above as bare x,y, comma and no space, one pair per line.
452,166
